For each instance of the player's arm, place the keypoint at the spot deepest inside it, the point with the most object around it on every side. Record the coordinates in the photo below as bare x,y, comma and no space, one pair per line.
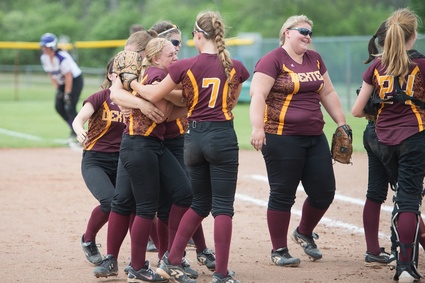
68,82
364,95
259,90
55,84
124,98
177,112
154,93
78,124
176,97
330,100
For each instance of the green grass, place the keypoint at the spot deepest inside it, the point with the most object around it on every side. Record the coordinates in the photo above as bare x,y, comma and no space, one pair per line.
29,110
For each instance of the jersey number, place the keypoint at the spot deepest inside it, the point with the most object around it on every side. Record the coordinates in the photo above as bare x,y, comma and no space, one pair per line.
215,84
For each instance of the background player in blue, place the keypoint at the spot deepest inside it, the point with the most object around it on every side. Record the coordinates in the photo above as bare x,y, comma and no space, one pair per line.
398,76
288,87
211,150
101,143
66,77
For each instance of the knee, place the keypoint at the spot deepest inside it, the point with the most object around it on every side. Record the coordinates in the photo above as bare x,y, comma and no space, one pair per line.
202,210
183,199
323,202
105,206
281,201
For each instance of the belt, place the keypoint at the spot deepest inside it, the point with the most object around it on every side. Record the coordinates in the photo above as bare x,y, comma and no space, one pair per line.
208,124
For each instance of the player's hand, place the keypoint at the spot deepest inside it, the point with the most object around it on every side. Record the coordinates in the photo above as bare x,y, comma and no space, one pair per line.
125,111
151,111
258,138
82,137
67,98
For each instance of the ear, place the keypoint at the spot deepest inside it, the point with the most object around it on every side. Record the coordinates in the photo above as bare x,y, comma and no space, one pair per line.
155,61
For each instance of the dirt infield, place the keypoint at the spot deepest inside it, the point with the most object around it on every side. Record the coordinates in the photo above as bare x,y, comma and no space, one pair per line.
45,205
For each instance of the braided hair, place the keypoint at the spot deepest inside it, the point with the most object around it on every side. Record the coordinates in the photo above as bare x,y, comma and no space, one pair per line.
212,25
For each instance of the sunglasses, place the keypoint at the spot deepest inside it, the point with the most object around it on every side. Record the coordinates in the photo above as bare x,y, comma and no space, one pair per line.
303,31
176,42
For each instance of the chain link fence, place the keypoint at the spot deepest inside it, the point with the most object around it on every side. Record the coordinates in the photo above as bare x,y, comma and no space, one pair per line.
343,57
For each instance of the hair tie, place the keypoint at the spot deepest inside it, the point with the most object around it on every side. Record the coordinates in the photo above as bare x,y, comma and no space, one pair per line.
374,36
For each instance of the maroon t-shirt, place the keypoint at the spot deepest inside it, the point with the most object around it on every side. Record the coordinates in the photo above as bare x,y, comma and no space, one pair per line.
398,121
293,104
106,125
137,123
176,128
205,86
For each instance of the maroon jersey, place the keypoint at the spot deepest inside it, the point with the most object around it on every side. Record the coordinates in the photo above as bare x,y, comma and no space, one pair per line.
175,128
398,121
137,123
205,86
293,104
105,127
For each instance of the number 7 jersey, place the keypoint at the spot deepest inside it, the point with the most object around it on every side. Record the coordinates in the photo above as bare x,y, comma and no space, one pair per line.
205,86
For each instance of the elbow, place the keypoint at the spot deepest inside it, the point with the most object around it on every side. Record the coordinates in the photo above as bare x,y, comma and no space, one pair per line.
356,113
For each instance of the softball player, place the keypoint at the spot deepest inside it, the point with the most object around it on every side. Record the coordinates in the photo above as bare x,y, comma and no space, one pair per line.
289,86
174,141
123,204
398,75
377,188
210,146
66,77
150,165
100,157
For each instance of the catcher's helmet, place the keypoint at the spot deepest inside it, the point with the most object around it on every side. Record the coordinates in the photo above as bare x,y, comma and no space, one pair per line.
49,40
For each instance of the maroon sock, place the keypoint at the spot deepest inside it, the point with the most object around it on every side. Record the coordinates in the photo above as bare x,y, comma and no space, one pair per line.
117,230
278,222
153,234
199,239
176,214
98,218
139,239
406,227
130,224
188,225
422,233
371,215
222,238
309,218
162,232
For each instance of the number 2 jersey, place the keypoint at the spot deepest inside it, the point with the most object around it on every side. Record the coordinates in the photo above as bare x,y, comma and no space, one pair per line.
397,121
205,86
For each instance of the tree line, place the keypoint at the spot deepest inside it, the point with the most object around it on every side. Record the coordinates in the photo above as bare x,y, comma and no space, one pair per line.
86,20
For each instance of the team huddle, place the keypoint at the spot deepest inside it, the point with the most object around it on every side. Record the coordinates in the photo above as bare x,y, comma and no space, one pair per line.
161,153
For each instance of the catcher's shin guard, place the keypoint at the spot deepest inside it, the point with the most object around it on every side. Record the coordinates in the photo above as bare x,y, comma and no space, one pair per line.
399,247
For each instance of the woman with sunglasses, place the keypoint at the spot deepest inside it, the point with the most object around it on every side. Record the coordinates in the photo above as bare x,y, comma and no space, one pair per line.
174,141
210,147
289,86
